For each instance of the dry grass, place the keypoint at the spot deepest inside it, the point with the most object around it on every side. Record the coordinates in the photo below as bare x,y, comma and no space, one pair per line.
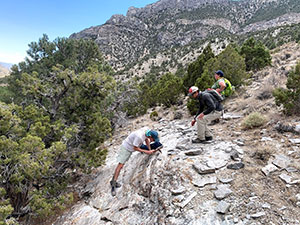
253,120
262,154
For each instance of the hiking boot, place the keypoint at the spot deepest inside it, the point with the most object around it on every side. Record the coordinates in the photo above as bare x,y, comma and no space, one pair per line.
208,138
197,140
214,122
113,191
115,184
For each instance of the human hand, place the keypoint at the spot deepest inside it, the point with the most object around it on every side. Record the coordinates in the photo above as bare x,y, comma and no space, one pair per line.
150,152
200,116
193,122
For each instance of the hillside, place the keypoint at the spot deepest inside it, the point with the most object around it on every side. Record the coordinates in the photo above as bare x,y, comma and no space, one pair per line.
171,32
197,184
3,71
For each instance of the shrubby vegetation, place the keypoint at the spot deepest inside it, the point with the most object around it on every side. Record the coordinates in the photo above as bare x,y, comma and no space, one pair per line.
289,98
256,55
5,208
167,90
59,118
151,92
5,94
195,69
229,61
253,120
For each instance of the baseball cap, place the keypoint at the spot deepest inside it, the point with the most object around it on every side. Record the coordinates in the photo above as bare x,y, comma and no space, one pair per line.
153,134
220,73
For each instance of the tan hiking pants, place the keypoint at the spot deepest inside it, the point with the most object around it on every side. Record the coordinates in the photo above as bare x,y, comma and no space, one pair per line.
202,128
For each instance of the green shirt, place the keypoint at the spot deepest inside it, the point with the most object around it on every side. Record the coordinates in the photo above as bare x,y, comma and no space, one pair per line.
228,88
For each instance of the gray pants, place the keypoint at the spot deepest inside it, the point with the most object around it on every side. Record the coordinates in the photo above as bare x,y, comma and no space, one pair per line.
202,128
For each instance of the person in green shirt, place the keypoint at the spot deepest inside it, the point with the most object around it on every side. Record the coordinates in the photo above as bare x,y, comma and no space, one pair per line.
219,85
222,85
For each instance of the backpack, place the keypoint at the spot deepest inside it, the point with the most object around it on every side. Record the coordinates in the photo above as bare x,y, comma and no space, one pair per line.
229,88
214,93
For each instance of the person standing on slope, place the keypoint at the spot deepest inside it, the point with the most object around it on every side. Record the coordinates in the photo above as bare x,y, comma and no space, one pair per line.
213,110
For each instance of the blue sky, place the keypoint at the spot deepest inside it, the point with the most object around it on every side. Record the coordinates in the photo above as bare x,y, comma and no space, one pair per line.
24,21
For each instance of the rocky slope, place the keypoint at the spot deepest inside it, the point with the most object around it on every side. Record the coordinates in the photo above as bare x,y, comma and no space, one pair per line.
176,24
241,177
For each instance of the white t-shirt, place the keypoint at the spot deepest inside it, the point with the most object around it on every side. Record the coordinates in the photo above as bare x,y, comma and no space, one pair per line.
136,138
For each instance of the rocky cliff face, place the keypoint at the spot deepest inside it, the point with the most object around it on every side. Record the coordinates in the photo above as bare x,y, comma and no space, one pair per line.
241,177
172,23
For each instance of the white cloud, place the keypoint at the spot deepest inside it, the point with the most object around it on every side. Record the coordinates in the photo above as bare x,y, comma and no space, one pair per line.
11,57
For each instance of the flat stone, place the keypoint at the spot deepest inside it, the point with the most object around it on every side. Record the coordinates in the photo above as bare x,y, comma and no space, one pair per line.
269,169
188,199
257,215
295,141
297,128
228,116
281,161
239,150
222,191
178,198
266,206
178,191
225,180
239,143
236,166
193,152
217,163
183,144
283,208
172,152
235,156
223,207
298,196
288,179
204,181
291,169
203,169
266,139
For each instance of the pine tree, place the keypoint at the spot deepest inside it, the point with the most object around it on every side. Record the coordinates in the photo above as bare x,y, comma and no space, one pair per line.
256,55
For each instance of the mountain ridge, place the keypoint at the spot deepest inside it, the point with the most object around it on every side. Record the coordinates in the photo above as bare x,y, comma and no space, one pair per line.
166,24
4,69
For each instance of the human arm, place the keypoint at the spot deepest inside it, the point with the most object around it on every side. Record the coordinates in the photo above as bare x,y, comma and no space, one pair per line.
221,87
199,117
200,110
149,152
148,143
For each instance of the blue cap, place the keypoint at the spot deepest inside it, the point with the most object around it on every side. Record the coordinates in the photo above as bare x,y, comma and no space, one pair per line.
153,134
220,73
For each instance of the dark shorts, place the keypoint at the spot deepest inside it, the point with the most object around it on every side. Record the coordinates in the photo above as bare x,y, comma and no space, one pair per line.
153,146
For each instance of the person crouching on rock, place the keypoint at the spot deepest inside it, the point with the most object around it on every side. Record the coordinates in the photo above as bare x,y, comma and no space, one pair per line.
134,142
213,110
